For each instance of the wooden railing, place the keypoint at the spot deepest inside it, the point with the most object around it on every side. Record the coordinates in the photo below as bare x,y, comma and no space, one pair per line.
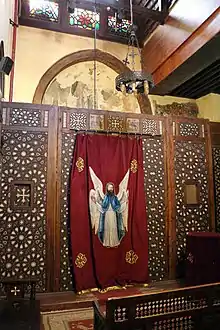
195,307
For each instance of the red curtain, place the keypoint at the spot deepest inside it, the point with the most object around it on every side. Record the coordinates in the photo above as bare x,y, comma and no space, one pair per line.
95,265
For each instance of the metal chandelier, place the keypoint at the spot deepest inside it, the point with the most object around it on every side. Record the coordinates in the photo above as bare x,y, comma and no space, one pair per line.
131,81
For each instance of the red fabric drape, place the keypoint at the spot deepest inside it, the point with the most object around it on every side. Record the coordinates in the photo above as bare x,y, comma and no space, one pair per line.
95,265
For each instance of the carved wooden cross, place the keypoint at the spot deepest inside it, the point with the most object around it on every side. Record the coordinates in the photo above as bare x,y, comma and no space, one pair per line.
23,194
15,291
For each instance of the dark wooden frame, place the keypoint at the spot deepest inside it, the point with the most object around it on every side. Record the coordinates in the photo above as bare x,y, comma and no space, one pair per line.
54,152
171,137
209,292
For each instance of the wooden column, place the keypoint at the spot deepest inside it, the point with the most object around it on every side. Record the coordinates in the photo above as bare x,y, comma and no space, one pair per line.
210,176
171,200
52,225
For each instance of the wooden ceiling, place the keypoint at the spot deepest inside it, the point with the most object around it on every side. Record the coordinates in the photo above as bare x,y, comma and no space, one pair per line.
205,82
196,77
148,14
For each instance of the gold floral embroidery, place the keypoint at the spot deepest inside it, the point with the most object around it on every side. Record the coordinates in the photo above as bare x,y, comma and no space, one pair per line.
134,166
81,260
80,164
131,257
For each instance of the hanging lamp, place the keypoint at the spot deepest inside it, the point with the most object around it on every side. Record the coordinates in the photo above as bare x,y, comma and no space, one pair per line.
132,81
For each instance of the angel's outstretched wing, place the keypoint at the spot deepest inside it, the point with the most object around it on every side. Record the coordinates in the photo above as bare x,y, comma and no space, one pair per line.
96,197
94,211
97,183
123,195
123,186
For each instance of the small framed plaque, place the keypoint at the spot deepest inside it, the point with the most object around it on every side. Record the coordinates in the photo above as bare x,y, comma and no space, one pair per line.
192,193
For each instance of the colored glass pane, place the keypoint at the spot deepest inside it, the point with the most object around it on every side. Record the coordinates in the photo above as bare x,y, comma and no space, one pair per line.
44,9
121,27
85,19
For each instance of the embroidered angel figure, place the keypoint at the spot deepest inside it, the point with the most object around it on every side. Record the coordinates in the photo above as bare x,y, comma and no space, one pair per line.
109,212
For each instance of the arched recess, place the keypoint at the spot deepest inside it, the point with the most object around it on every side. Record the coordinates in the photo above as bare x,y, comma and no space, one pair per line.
84,56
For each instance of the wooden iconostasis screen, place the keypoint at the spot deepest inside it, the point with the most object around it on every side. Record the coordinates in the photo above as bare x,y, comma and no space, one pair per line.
215,137
37,149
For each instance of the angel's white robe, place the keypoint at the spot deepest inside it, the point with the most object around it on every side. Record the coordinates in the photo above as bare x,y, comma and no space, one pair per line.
111,231
110,224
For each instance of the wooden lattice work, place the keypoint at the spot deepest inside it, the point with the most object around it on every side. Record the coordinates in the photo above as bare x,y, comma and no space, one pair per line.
216,163
23,195
186,308
190,168
35,167
67,146
153,154
190,165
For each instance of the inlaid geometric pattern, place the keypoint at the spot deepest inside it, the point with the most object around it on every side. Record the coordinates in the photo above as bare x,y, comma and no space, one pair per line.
120,314
25,117
68,141
177,323
153,155
190,164
115,123
21,195
78,121
22,230
46,118
216,165
189,129
171,305
150,127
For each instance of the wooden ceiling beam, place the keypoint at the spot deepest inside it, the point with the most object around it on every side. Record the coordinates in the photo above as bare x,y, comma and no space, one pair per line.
164,5
154,15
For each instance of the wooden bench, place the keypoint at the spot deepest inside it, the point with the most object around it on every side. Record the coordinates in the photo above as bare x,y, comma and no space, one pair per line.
18,307
187,308
15,289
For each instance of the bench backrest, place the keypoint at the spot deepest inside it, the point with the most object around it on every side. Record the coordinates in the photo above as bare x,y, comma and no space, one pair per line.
178,309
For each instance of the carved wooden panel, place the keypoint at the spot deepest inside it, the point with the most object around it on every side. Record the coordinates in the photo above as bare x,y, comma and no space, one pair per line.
190,166
78,120
177,109
67,146
23,201
115,123
216,165
83,120
25,117
153,154
189,129
28,189
169,305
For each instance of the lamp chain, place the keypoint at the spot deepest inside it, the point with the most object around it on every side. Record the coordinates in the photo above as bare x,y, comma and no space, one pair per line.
131,12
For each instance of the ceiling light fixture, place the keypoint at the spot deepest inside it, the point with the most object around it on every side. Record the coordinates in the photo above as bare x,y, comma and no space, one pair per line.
133,82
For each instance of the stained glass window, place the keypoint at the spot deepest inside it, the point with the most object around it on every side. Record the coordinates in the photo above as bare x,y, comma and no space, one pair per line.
44,9
118,27
85,19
